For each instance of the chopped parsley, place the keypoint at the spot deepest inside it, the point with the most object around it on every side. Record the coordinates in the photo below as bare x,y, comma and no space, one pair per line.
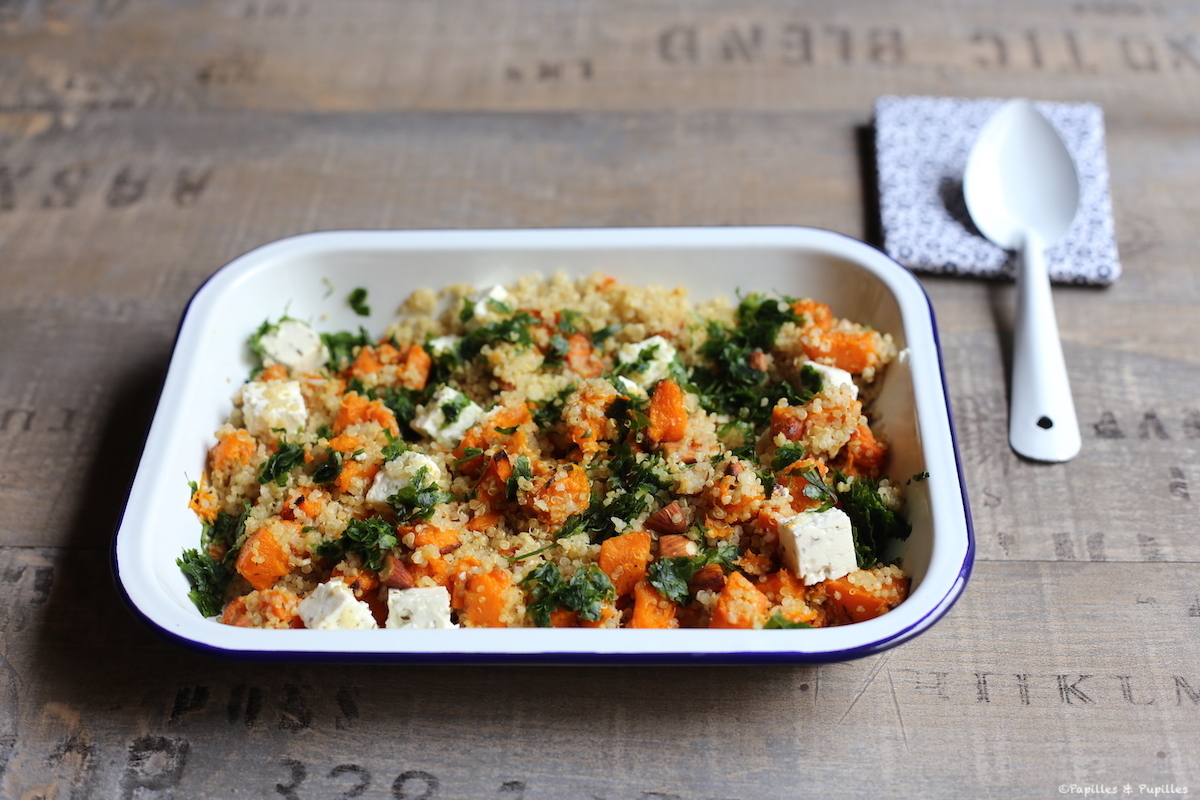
568,321
469,453
286,457
670,576
779,622
787,454
636,480
400,400
514,329
604,334
417,501
394,447
521,469
815,489
556,350
369,538
549,413
255,341
358,302
329,469
585,593
208,569
341,347
208,578
453,407
875,525
728,384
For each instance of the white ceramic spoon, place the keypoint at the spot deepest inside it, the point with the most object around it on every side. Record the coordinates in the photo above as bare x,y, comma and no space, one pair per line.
1022,192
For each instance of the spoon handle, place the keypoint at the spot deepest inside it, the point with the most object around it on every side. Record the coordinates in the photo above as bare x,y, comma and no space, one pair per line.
1042,424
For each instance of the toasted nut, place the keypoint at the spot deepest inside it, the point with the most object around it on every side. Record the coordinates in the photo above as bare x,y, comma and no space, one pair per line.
759,361
711,578
668,519
395,574
676,546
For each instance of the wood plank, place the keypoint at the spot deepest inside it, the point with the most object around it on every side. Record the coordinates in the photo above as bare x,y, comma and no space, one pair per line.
1036,700
143,143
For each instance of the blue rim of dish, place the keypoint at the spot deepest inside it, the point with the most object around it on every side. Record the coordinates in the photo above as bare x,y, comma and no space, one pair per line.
552,658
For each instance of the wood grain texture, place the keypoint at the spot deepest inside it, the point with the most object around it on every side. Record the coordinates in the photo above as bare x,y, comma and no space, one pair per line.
144,143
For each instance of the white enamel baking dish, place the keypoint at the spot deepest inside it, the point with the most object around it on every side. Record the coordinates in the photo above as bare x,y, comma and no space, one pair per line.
309,277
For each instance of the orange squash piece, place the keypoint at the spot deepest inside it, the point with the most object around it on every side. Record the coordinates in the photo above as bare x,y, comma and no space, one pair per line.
852,351
560,497
863,454
740,605
581,358
262,559
816,315
236,448
491,433
356,409
444,539
487,599
414,368
365,363
668,413
624,558
859,603
236,614
651,609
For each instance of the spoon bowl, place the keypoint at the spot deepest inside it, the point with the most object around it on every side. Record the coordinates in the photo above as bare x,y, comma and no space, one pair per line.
1022,192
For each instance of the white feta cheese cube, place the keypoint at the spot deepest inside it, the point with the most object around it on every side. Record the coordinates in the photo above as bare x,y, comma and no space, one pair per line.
834,376
422,607
447,417
818,545
483,305
443,344
647,362
268,406
294,345
630,388
399,473
332,606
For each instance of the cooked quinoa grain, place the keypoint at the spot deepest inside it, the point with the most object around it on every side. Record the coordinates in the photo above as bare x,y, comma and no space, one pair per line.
555,452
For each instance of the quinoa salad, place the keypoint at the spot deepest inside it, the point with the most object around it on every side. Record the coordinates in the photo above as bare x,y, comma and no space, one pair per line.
557,452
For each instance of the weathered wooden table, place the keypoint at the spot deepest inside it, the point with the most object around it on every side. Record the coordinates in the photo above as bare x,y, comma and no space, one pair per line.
144,143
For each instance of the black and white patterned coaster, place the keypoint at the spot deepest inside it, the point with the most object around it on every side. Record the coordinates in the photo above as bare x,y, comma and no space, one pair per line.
921,148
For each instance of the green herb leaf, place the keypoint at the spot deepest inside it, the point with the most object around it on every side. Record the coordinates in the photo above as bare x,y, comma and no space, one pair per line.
556,350
585,593
604,334
452,408
779,622
370,538
286,457
208,578
418,500
328,470
787,454
875,525
568,321
728,384
468,454
341,347
358,302
522,469
255,341
670,576
514,329
394,447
